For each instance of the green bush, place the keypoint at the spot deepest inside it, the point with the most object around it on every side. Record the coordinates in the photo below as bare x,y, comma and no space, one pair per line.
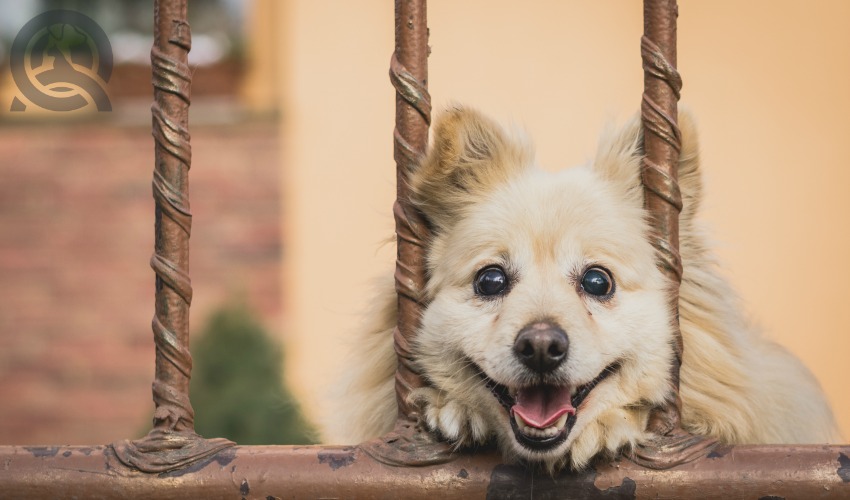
237,389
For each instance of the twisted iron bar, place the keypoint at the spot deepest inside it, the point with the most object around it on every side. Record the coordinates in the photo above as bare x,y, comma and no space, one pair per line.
413,117
172,78
172,443
663,200
662,145
409,444
412,234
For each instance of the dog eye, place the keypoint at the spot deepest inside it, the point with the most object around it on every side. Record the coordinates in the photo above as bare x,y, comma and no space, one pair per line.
490,281
596,281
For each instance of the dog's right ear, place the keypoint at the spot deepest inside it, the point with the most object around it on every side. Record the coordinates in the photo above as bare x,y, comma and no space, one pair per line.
470,156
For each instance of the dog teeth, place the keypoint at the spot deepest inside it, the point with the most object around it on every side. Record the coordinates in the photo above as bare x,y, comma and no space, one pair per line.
534,432
562,421
520,423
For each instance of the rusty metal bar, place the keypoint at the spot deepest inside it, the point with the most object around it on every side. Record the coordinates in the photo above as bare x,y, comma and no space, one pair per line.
173,156
672,445
280,472
409,443
409,75
662,144
172,442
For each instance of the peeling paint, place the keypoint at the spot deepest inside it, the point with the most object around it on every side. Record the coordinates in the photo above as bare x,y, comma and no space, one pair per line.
844,469
67,454
337,459
222,458
225,456
244,488
719,452
463,474
512,482
42,451
771,497
626,490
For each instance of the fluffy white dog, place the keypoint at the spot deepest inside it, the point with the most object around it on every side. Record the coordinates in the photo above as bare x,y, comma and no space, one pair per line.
547,325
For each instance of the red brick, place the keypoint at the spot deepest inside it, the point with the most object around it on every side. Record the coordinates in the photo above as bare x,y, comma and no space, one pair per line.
76,235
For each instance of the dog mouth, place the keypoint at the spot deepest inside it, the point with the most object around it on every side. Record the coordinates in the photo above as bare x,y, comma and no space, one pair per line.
542,415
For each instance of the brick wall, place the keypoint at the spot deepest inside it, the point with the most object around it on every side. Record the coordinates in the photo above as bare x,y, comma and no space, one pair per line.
76,290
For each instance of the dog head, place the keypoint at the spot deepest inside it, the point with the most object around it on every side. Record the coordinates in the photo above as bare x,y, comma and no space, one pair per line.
548,317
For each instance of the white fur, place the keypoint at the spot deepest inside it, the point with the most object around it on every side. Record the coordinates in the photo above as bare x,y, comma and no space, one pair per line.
488,205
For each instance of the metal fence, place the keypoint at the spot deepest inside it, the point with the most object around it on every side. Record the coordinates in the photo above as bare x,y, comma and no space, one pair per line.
172,461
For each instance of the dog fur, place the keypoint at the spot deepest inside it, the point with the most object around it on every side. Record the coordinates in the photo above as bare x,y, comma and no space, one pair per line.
487,205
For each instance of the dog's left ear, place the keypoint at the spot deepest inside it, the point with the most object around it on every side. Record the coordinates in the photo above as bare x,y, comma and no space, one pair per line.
619,154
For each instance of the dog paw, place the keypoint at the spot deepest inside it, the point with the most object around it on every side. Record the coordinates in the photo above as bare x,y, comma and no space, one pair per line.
456,421
608,435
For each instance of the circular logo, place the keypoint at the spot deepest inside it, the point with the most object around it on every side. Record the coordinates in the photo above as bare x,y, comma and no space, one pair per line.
61,60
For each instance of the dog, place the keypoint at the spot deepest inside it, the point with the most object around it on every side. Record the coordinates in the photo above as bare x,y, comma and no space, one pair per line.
548,328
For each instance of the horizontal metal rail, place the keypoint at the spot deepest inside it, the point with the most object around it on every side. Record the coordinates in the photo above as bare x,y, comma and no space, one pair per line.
278,472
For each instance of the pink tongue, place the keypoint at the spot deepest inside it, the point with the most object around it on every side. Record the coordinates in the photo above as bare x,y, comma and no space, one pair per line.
541,406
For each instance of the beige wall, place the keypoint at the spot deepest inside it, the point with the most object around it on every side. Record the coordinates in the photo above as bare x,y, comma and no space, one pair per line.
768,81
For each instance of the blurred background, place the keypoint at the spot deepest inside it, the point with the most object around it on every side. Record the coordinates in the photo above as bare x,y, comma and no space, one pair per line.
292,184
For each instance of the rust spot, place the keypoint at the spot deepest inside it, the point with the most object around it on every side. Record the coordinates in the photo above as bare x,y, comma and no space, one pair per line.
42,451
844,469
222,458
337,459
515,482
463,474
628,489
225,456
719,452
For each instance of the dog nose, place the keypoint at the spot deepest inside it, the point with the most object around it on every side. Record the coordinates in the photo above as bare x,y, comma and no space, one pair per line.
542,346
